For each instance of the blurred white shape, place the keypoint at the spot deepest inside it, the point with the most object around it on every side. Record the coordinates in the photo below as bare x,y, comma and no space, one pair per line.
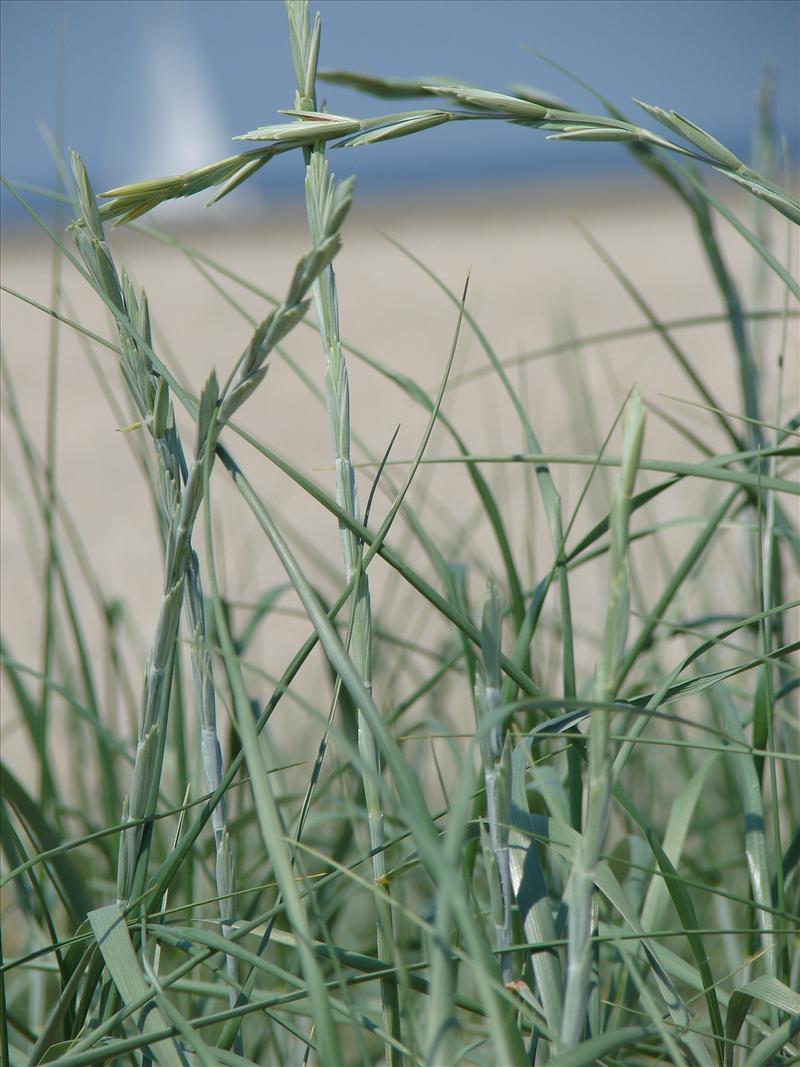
185,128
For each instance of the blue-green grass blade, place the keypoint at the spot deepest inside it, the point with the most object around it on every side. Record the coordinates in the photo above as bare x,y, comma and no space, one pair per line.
758,246
765,1053
688,917
112,936
755,839
592,1051
764,988
533,900
60,868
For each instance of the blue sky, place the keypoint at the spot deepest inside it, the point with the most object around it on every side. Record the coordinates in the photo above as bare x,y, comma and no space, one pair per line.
160,86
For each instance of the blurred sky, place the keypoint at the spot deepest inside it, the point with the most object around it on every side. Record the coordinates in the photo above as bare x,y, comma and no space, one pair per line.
153,87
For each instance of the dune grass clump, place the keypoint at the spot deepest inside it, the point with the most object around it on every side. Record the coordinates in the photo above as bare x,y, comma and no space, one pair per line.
614,874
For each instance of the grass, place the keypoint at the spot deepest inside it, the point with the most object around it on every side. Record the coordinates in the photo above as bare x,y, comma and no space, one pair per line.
599,862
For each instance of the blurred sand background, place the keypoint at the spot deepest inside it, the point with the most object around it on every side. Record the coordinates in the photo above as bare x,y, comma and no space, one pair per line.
534,281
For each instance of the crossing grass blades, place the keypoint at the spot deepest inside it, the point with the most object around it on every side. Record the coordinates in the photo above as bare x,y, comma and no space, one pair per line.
552,911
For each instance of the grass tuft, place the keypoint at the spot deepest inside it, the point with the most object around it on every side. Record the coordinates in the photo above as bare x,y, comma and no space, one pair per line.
342,864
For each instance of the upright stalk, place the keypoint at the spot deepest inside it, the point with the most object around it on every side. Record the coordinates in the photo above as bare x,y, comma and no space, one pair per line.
496,759
213,763
326,203
598,794
179,490
178,498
